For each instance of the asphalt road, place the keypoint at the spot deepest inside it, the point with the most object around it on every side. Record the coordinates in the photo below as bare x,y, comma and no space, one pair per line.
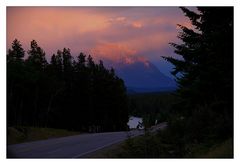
68,147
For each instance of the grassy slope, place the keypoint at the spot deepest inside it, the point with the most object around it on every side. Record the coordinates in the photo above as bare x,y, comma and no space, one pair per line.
137,147
111,151
222,150
26,134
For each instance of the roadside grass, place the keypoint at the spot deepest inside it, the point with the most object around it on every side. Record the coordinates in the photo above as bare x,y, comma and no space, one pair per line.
221,150
23,134
143,146
119,150
150,146
111,151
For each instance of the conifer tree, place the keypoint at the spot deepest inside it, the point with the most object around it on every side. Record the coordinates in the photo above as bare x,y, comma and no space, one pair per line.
207,54
36,56
16,53
204,71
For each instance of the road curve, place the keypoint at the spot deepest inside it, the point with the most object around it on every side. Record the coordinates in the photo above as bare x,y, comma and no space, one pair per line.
68,147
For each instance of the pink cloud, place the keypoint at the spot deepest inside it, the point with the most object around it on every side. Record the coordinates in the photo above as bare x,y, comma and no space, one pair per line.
129,60
118,53
143,60
121,19
111,33
51,26
112,51
137,25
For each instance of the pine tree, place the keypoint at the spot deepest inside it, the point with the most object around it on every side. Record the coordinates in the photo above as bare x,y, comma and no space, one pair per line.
206,53
204,71
36,56
81,59
16,76
66,60
16,53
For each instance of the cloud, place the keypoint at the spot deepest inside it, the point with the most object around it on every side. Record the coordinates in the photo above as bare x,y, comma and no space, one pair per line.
129,60
51,26
117,33
137,25
112,51
121,19
118,53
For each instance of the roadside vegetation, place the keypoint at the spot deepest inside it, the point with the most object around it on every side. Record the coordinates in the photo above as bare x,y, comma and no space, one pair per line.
22,134
155,146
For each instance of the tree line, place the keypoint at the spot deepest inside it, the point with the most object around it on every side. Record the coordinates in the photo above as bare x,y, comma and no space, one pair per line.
65,93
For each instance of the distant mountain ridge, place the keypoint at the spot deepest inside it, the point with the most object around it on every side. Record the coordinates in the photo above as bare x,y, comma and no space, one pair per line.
133,90
142,77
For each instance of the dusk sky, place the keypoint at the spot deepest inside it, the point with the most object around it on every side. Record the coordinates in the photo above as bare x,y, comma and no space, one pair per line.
126,34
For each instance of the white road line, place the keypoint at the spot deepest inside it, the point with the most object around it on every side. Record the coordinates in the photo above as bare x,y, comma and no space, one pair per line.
85,153
79,155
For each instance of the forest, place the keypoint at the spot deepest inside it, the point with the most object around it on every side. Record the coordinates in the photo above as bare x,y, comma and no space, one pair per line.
77,95
82,95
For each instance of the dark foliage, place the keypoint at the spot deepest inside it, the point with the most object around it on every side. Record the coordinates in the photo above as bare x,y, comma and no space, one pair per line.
204,75
75,95
152,107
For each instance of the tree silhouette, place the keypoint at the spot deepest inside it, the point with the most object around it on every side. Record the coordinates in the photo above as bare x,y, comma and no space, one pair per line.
76,95
36,56
16,53
204,73
15,83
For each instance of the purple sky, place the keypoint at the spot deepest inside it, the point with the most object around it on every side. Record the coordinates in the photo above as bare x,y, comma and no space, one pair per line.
127,34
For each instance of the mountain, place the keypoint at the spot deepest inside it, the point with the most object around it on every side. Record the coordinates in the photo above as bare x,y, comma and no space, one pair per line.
133,90
142,76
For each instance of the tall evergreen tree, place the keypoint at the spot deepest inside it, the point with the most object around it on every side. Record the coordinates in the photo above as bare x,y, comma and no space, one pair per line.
207,52
205,71
67,60
81,59
16,53
36,56
15,83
